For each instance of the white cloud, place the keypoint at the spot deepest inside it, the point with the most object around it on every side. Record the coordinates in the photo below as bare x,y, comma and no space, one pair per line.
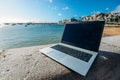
75,15
59,14
117,9
53,7
66,8
107,9
95,12
50,1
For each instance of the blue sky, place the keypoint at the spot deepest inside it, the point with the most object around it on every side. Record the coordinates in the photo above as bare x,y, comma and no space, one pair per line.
53,10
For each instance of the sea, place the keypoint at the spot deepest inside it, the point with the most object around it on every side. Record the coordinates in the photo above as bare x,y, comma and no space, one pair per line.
24,35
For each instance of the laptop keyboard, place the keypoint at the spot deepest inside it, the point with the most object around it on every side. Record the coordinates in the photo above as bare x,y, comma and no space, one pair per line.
72,52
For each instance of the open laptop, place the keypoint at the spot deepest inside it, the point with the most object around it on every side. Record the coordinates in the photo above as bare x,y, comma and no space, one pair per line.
79,46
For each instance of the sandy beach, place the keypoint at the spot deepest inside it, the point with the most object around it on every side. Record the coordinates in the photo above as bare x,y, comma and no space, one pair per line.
28,63
111,31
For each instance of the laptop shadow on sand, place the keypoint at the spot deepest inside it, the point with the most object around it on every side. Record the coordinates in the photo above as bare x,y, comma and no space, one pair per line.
105,67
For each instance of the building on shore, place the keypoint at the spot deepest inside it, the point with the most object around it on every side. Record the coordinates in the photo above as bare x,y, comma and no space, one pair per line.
109,18
68,21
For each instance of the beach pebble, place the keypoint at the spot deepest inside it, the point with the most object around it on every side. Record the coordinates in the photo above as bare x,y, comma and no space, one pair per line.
4,56
7,70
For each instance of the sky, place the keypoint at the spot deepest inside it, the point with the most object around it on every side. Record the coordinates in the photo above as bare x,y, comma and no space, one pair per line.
53,10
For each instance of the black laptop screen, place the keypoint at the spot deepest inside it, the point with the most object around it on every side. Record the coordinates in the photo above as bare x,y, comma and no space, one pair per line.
86,35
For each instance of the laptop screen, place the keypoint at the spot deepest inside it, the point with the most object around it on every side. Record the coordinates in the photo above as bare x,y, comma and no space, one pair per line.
86,35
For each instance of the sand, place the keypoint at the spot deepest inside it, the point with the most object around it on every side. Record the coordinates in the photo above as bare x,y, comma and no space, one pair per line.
28,63
111,31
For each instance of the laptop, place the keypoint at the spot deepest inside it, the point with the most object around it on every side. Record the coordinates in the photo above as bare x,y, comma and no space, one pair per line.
78,47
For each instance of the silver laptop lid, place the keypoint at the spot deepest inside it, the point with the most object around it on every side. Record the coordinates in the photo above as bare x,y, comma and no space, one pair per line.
86,35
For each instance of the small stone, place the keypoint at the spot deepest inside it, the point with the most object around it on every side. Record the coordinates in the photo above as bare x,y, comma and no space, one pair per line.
7,70
28,72
4,56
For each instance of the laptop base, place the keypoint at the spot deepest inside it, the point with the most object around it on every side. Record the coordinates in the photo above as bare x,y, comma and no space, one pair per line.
77,65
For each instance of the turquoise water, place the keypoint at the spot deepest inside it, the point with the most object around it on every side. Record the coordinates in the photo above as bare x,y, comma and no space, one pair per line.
15,36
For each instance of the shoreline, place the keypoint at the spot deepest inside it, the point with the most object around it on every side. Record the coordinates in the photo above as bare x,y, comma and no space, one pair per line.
108,31
105,35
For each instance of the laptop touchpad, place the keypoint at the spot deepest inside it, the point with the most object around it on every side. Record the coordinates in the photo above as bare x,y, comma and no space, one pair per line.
56,55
